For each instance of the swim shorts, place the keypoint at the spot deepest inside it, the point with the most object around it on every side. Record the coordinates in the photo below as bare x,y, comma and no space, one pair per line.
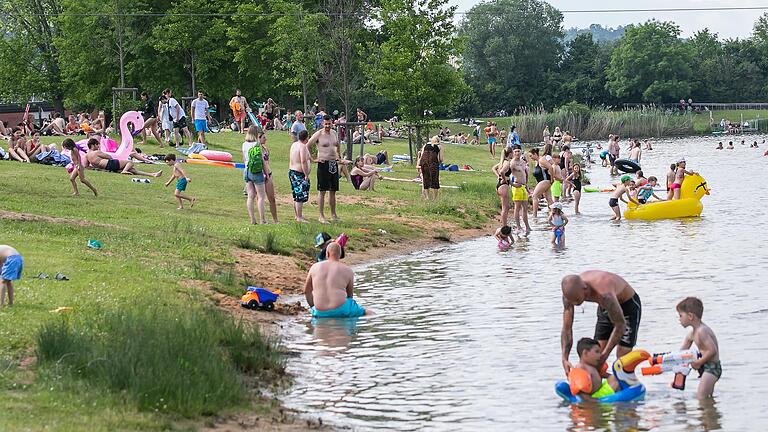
299,186
604,390
713,367
350,309
557,188
12,268
632,310
612,159
491,141
201,125
519,193
181,123
613,202
113,165
328,176
181,184
674,186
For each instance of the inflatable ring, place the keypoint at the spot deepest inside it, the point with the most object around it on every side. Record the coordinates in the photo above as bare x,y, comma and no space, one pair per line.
627,166
624,370
220,156
629,394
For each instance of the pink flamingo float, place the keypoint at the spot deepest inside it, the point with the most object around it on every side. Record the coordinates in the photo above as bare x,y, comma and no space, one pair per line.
109,146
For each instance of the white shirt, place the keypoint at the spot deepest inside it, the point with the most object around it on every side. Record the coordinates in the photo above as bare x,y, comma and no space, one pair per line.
200,108
172,104
246,148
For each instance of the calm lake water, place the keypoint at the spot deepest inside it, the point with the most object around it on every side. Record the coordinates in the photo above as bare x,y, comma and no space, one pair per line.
467,338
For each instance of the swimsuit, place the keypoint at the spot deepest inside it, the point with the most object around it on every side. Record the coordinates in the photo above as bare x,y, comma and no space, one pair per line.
714,367
504,180
349,309
113,165
576,182
632,310
604,390
519,193
181,184
644,194
556,188
357,180
299,185
674,186
613,202
12,268
328,176
543,174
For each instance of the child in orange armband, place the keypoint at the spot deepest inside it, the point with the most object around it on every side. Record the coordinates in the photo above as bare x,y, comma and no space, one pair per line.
588,379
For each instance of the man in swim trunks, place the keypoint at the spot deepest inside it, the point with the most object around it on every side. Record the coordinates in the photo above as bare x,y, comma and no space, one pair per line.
491,132
101,160
239,104
613,153
329,285
299,168
618,313
327,142
11,265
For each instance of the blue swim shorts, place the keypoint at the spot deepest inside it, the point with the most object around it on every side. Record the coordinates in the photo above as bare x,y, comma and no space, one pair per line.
350,309
12,268
181,184
201,125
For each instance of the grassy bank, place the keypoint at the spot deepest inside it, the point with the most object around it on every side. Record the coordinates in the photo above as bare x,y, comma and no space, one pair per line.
135,321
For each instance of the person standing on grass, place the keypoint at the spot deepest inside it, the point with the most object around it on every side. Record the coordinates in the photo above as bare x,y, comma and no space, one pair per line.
150,120
179,120
328,150
269,184
201,116
299,168
297,126
78,168
253,174
430,158
11,266
238,104
164,114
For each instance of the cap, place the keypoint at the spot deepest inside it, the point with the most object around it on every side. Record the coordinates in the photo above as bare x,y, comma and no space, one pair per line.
557,205
681,160
625,178
322,238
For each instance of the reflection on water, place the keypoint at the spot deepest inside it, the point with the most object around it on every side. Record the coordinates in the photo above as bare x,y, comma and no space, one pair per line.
467,338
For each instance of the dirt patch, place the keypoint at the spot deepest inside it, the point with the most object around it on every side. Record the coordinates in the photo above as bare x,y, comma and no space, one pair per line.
278,420
270,271
26,217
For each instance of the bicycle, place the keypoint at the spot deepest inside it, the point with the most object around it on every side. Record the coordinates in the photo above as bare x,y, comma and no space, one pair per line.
213,124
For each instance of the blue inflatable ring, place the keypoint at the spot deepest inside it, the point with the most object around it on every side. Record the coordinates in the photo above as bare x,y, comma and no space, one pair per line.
629,394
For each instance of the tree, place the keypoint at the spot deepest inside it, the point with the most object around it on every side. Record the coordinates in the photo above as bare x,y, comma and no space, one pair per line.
512,46
650,64
29,59
414,67
582,71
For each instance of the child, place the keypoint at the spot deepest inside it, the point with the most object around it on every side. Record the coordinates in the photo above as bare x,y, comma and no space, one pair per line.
680,172
557,222
557,178
618,194
645,192
690,311
78,168
503,236
589,379
11,265
322,241
181,184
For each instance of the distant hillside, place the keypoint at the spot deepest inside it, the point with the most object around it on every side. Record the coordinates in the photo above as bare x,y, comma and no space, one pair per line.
599,33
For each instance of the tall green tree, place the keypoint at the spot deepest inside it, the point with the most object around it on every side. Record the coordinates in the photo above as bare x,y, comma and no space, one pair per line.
414,67
650,64
513,49
582,71
29,58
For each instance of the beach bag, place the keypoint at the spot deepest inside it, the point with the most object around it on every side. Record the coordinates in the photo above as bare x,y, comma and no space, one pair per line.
255,160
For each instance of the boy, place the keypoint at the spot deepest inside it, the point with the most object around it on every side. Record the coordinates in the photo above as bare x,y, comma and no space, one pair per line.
618,194
503,236
690,311
589,379
78,170
645,192
11,265
181,184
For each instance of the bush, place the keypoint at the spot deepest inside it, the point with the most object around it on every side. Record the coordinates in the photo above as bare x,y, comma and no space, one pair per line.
165,358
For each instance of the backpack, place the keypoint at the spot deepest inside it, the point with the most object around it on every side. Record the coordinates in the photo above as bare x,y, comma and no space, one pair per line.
255,160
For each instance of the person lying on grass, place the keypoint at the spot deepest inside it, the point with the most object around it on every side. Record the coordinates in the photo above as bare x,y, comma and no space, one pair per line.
101,160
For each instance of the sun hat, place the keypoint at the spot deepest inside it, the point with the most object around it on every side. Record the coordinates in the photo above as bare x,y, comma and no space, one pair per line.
557,205
681,160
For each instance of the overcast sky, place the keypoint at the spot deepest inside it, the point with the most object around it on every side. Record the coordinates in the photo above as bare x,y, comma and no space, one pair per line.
728,24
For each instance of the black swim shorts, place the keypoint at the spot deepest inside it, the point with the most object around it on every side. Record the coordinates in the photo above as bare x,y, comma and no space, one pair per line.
181,124
613,202
113,165
612,159
328,176
632,310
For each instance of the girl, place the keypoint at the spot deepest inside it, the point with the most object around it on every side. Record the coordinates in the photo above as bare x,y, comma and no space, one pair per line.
574,179
78,168
557,221
254,181
546,134
363,178
670,180
542,172
503,170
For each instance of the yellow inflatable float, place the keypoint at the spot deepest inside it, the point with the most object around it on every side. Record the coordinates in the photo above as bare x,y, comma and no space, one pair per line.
694,187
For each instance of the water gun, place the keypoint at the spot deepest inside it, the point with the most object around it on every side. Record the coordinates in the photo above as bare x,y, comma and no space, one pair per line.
678,362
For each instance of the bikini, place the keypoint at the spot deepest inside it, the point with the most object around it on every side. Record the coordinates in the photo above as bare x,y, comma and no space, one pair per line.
502,180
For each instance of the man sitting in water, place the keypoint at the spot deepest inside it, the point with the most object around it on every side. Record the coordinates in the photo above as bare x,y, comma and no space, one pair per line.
590,379
328,288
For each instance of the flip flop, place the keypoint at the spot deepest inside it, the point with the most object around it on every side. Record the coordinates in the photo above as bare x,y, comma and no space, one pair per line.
61,277
41,276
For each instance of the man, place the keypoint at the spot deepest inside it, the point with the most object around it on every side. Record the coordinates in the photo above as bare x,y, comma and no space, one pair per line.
179,120
299,169
618,313
201,116
297,126
149,112
328,288
238,104
327,166
101,160
613,153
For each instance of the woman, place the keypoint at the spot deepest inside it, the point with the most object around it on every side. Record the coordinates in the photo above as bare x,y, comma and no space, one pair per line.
566,162
363,177
503,171
542,171
17,147
254,182
574,179
557,136
547,136
429,164
98,125
269,183
149,113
